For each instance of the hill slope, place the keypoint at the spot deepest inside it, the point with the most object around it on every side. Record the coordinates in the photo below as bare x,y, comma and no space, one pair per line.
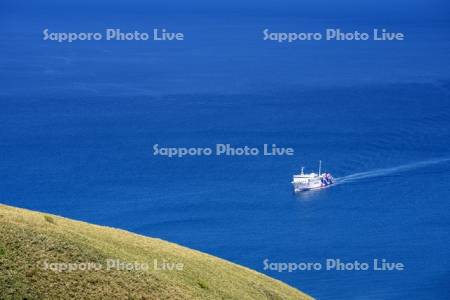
35,248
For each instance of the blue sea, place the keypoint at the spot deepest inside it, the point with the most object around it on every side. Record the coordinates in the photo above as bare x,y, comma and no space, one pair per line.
79,121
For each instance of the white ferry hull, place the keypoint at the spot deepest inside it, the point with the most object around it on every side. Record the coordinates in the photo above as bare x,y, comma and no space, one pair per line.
302,188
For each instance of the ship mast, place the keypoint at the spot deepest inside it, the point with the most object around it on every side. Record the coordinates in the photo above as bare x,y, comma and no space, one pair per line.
320,166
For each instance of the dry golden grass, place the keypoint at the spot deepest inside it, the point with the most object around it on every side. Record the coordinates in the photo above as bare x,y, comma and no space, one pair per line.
29,239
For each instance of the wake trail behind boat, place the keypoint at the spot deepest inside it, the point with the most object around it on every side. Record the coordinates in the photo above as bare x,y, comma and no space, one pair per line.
388,171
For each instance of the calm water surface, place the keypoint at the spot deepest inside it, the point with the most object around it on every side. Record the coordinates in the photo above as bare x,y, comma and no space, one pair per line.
79,122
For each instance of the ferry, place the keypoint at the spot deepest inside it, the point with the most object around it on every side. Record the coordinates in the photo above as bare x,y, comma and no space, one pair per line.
305,182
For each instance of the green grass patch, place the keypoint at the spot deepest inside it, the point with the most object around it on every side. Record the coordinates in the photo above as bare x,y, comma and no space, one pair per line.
49,219
202,285
31,244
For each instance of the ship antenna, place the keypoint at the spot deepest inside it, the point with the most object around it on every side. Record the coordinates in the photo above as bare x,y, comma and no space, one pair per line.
320,166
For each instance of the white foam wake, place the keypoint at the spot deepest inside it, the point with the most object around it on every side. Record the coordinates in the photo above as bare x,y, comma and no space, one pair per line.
389,171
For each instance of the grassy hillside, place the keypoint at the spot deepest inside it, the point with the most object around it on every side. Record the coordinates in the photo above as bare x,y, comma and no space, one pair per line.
35,247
